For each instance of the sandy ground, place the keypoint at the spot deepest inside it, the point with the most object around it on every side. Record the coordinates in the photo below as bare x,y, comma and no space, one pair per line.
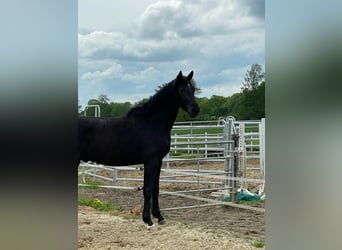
215,227
101,230
200,228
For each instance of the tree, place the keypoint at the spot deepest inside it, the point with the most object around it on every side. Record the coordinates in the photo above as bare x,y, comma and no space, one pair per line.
119,109
197,89
104,105
254,77
103,99
93,102
217,106
251,104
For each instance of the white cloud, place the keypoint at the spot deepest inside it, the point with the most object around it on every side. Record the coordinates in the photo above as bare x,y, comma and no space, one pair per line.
111,72
168,28
164,19
218,39
91,43
194,19
141,77
221,90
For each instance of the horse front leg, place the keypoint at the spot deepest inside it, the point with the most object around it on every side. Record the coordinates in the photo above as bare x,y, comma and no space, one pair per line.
150,172
155,201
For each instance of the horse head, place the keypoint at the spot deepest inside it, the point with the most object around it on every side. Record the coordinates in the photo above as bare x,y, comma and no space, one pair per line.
186,94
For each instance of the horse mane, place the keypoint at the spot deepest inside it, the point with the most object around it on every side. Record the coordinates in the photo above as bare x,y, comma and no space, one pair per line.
154,101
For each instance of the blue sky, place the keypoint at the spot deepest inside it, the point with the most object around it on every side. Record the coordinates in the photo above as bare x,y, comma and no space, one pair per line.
127,48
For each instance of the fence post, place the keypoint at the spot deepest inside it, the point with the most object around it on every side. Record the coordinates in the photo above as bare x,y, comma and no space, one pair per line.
115,176
97,110
191,135
83,174
94,177
242,148
188,145
226,158
232,165
168,161
262,153
175,143
235,168
206,145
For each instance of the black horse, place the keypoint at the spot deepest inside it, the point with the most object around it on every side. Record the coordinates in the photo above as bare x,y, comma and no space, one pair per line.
142,136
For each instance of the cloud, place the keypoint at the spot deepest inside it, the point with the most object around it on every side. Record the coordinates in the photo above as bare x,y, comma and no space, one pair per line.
218,39
255,8
221,90
180,19
168,20
97,42
142,76
109,73
173,30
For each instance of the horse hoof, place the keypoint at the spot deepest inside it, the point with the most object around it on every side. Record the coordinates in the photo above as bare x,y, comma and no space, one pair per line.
149,226
162,222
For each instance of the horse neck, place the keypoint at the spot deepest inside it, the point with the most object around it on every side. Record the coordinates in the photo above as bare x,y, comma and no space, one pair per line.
165,112
166,117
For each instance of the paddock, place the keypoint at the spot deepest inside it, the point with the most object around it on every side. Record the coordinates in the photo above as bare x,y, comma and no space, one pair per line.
230,229
208,161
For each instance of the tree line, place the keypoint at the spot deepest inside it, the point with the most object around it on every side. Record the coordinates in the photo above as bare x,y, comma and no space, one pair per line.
249,104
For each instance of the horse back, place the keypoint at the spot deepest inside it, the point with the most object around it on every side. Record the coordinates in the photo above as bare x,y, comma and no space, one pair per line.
119,141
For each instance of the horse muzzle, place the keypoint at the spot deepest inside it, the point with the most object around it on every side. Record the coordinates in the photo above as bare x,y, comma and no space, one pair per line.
193,110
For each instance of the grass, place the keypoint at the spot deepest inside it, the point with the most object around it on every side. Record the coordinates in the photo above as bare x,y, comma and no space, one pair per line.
259,244
214,130
197,131
108,207
96,203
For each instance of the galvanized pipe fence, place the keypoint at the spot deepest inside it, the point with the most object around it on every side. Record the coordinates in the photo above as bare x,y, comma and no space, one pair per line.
233,144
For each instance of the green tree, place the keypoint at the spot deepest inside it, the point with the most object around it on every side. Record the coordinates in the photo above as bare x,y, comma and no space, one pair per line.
231,105
217,106
251,104
141,102
253,78
205,108
103,99
93,102
119,109
104,105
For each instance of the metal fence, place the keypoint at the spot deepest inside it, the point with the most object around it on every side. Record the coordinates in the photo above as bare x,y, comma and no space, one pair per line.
237,148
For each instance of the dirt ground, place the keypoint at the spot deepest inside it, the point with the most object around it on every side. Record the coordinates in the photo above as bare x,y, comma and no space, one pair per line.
215,227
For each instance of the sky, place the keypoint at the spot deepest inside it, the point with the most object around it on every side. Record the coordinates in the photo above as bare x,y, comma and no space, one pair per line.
126,49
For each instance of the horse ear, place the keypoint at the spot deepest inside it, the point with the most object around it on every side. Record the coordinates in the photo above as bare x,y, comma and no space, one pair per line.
180,75
190,75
